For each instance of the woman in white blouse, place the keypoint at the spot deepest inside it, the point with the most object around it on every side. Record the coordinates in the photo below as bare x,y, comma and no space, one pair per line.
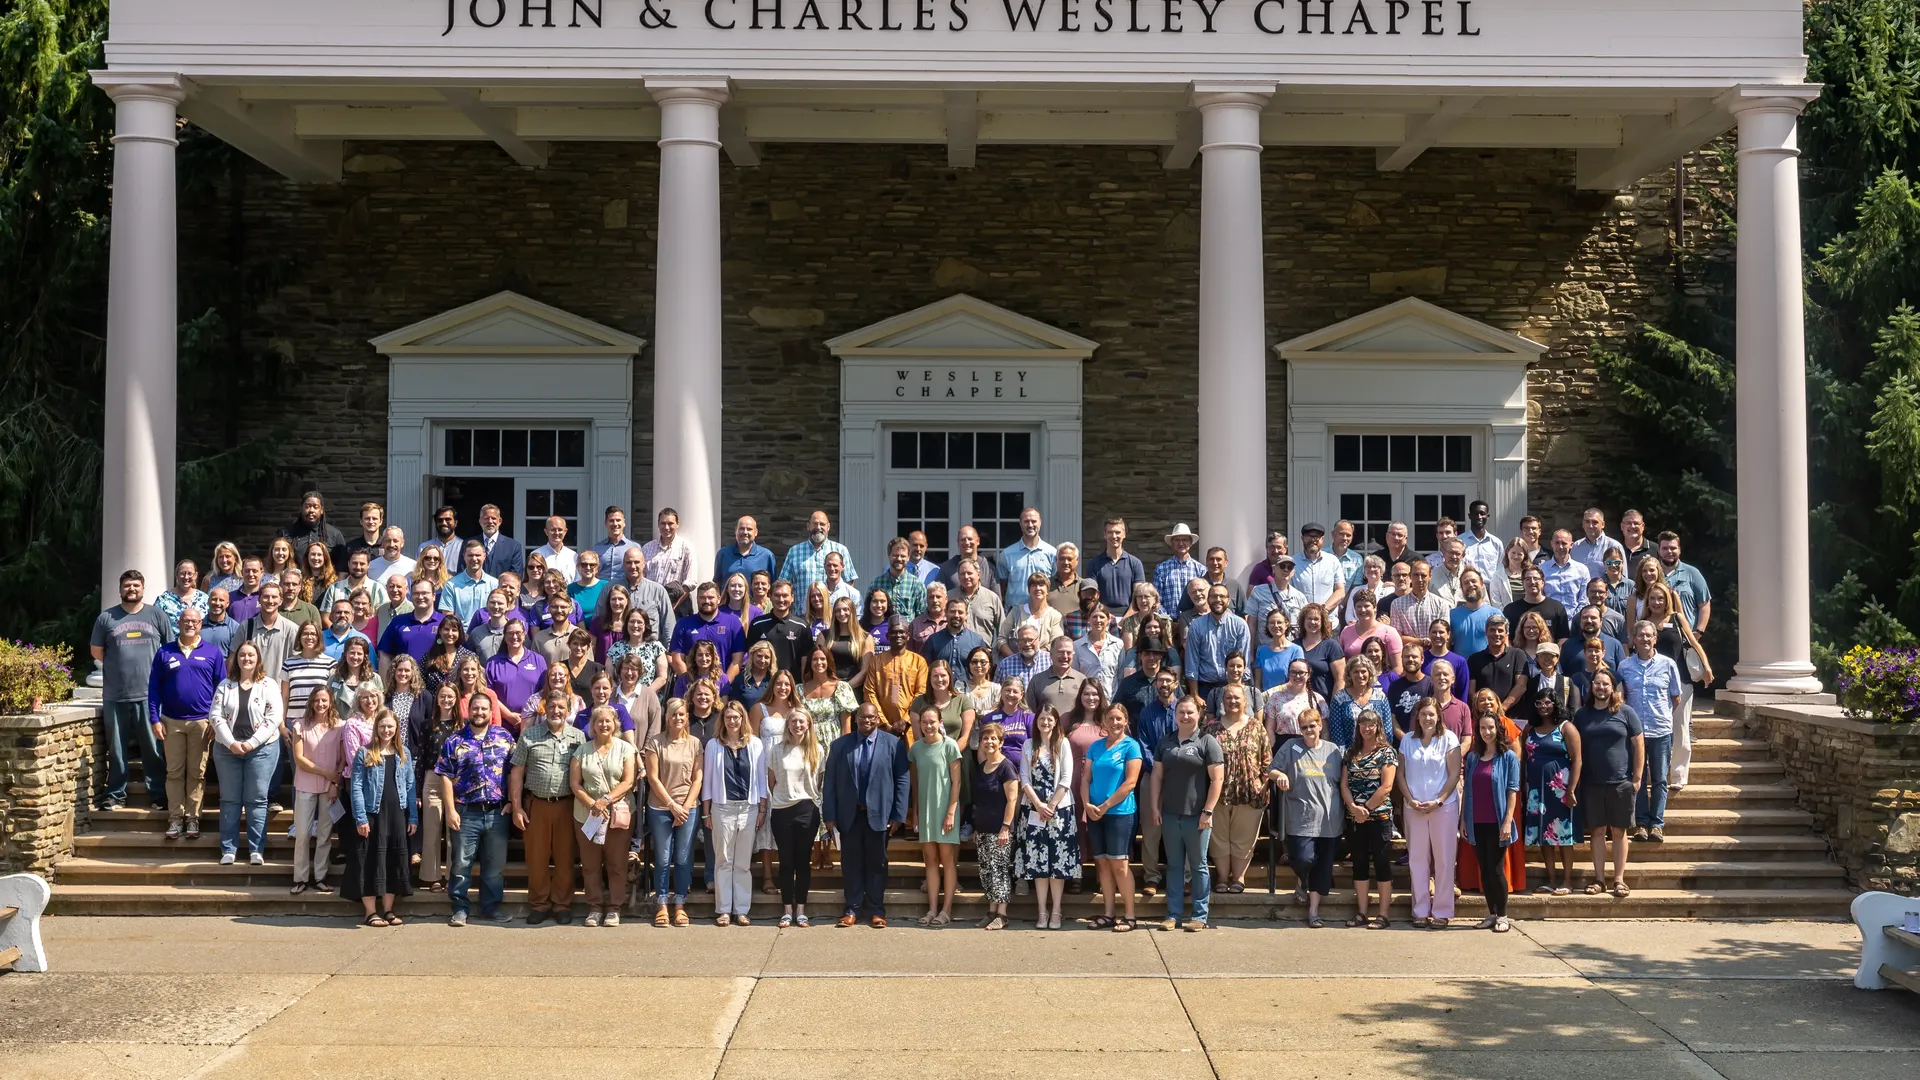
1429,781
247,712
733,799
770,716
794,765
1097,655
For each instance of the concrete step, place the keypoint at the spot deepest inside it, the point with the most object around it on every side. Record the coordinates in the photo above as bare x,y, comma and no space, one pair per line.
1730,749
1702,796
1685,820
1723,771
1642,872
903,906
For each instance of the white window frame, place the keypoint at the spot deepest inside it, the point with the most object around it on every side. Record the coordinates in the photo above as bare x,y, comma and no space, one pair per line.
956,363
471,367
1407,367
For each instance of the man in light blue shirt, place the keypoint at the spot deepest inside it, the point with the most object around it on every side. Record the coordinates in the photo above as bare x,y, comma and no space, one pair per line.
613,550
1352,563
1696,600
919,565
744,556
1210,638
1030,555
1566,577
1320,576
1593,547
465,593
1652,682
339,630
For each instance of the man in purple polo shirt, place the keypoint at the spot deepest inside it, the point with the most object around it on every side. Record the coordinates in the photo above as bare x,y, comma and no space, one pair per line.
412,633
515,671
180,687
709,623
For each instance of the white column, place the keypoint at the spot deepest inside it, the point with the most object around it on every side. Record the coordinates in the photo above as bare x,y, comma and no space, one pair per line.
137,474
686,349
1770,396
1233,325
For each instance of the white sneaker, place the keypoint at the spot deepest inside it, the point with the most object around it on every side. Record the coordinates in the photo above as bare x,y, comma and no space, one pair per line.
256,859
1501,925
592,919
226,858
611,918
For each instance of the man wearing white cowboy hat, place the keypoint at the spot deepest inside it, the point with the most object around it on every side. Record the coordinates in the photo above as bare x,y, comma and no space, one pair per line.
1171,576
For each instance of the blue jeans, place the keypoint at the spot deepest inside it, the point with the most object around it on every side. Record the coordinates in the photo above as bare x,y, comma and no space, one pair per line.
243,783
1186,844
485,832
127,733
1650,804
672,854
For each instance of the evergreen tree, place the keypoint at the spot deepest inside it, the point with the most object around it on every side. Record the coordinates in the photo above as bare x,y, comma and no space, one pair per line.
1860,224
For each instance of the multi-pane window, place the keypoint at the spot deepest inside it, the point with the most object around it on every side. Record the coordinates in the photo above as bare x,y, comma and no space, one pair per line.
1403,454
1428,510
543,503
1012,450
930,512
515,448
1370,514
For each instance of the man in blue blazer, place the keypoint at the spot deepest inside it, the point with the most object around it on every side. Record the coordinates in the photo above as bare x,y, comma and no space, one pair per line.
866,796
504,553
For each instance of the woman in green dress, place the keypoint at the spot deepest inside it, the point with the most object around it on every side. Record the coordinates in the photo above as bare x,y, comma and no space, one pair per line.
957,719
935,807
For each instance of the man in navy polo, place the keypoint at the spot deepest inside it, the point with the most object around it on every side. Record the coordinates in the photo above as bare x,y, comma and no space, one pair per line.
954,642
709,623
412,633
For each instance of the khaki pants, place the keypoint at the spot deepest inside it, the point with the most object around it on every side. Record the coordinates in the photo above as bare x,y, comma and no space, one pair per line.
608,860
187,744
433,832
312,835
549,838
1235,830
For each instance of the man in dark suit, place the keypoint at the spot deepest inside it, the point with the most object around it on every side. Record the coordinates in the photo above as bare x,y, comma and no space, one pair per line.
504,553
866,796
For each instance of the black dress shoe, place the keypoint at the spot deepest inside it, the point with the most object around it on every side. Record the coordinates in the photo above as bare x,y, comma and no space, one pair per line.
564,918
535,918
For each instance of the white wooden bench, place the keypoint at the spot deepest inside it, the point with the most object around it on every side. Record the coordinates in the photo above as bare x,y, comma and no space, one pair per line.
1889,954
23,897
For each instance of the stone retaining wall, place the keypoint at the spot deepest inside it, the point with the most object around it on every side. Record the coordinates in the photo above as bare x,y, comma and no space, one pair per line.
1860,780
47,774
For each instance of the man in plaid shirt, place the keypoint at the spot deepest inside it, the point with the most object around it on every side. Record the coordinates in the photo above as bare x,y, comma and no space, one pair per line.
806,561
1026,660
1171,576
902,586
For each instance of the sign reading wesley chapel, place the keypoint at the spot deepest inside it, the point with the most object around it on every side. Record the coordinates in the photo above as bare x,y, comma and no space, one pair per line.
1411,18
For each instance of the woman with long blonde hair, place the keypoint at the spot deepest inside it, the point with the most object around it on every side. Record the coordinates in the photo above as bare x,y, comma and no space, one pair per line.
734,802
385,814
673,776
770,715
849,644
432,569
223,572
794,764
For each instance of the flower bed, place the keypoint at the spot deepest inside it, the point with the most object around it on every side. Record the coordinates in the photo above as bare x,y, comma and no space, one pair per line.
32,676
1880,686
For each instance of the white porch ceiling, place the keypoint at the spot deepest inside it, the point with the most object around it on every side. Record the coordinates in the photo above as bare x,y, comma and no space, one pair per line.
298,128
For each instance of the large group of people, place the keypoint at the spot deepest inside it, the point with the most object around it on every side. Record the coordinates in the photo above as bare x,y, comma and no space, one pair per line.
624,710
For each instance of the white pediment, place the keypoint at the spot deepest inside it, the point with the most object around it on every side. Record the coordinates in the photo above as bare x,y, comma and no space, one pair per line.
961,326
1410,329
508,323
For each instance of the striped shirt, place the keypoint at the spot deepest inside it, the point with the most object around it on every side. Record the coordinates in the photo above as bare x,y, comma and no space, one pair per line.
303,676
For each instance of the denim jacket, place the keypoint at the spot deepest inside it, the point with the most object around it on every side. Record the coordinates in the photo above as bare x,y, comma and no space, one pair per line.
365,788
1506,781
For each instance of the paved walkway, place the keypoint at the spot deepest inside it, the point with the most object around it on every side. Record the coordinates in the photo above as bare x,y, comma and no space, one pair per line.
296,997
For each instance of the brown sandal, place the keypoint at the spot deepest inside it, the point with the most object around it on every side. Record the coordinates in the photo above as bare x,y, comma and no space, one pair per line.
661,918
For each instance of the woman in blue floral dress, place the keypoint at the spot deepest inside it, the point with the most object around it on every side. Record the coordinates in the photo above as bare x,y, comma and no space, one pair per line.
1552,755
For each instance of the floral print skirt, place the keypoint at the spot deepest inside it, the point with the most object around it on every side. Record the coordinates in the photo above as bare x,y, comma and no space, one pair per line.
1548,818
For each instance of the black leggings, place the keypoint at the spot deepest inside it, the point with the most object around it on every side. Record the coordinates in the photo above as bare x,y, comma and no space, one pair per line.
1371,844
1493,866
794,830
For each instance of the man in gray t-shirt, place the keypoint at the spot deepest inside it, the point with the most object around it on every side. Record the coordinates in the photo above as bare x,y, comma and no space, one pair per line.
125,639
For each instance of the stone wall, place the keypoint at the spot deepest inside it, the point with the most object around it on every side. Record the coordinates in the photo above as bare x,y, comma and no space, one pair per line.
47,774
1860,780
822,239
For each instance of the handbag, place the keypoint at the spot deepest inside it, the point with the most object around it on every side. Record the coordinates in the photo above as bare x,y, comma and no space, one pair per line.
1696,665
620,815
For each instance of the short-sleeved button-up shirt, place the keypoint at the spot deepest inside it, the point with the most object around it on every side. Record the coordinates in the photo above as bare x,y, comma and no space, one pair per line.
1170,581
1018,562
546,755
805,564
477,764
907,591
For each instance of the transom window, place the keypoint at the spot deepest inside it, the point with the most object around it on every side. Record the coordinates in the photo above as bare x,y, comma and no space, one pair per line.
515,447
1436,454
961,450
